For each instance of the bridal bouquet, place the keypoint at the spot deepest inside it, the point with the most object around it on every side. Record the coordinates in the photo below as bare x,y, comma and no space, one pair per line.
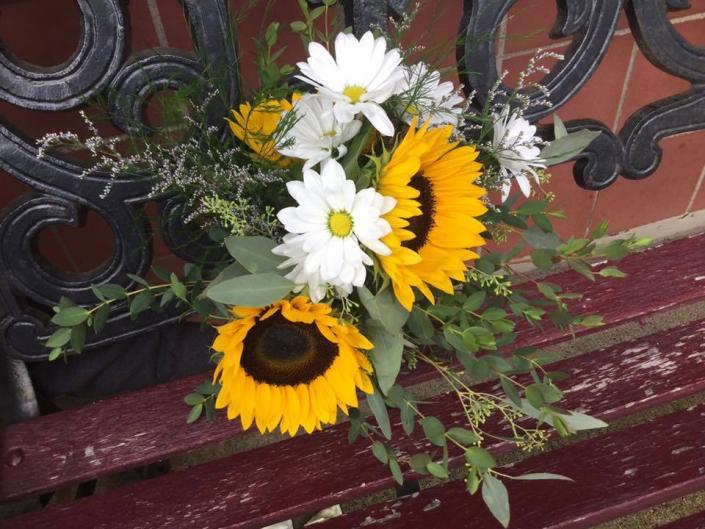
356,200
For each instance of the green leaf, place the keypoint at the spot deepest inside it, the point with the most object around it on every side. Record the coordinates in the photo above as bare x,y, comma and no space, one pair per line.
59,337
355,150
510,390
543,258
420,324
70,316
474,301
418,463
139,280
532,207
254,253
379,410
78,337
494,313
194,414
542,475
611,271
193,399
54,354
177,287
140,303
495,496
600,230
437,470
386,355
298,26
384,308
479,457
396,470
463,436
568,147
100,317
616,251
408,419
434,430
592,320
559,130
535,396
161,272
582,268
540,239
380,452
112,291
255,290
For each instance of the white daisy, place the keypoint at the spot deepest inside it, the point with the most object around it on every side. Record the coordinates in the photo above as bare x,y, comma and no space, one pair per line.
516,147
316,134
362,76
327,228
427,99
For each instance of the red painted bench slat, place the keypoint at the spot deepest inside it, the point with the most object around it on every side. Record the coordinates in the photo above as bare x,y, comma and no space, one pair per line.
301,475
616,474
149,425
697,521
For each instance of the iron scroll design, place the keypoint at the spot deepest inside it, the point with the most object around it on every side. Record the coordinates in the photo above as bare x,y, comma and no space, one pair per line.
102,64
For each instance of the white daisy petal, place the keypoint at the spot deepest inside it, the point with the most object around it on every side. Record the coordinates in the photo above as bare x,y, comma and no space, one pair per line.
363,71
328,230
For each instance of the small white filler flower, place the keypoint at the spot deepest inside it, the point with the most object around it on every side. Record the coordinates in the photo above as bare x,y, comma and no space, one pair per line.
362,76
316,134
327,228
424,96
516,147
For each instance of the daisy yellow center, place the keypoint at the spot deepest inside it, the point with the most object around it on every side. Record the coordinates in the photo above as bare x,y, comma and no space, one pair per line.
330,134
340,223
354,92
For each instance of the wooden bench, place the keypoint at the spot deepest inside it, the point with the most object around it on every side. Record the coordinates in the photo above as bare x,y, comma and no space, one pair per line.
649,386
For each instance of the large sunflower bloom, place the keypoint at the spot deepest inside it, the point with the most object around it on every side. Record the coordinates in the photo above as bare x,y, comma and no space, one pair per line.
257,126
290,365
434,224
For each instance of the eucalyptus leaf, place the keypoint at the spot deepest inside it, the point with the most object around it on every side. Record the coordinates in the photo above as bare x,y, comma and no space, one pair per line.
541,476
386,355
559,130
254,290
568,147
573,420
384,308
495,495
540,239
254,253
70,316
379,410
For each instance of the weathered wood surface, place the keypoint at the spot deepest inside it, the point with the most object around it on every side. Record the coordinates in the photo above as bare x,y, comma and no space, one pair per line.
697,521
662,277
149,425
616,474
307,473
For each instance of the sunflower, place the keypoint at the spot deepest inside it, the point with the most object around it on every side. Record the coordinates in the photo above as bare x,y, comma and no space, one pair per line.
291,364
257,126
434,224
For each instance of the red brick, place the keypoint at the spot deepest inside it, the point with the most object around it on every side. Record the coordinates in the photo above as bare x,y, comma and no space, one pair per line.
629,203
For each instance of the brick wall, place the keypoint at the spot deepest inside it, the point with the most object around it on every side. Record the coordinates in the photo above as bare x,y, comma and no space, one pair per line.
45,32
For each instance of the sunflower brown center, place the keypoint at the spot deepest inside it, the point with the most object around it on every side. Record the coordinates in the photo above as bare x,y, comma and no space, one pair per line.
421,225
283,353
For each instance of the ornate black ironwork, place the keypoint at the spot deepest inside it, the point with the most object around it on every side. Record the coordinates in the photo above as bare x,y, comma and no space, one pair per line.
60,195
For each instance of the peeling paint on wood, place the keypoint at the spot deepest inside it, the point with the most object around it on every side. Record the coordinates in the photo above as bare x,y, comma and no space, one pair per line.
149,425
605,487
304,474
